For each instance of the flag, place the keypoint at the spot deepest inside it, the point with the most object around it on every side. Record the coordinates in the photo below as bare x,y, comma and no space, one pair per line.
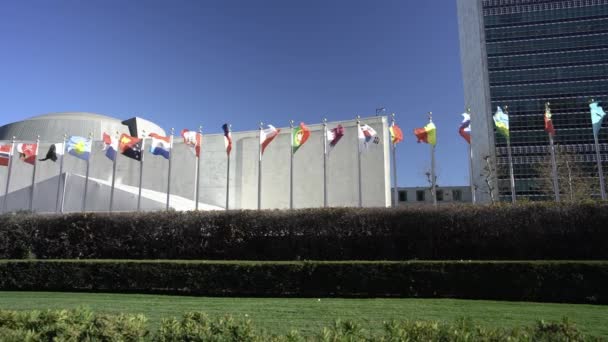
465,127
427,134
299,135
267,135
5,154
28,152
110,145
160,146
501,121
194,140
396,134
549,122
597,115
79,147
334,135
227,138
130,146
53,152
367,135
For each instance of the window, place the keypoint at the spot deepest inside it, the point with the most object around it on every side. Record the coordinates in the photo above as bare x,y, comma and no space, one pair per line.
457,195
439,194
402,196
420,195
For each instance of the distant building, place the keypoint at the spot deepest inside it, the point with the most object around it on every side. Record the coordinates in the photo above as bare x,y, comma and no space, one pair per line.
522,54
422,195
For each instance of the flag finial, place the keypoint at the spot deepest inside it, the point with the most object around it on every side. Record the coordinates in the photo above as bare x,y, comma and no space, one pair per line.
469,110
172,130
358,119
261,125
291,123
430,114
324,121
592,100
506,109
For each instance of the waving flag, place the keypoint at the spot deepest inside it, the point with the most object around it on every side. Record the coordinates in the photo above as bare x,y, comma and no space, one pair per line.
549,122
5,154
334,135
396,133
367,136
427,134
28,152
299,135
227,138
465,127
79,147
267,135
194,140
597,116
130,146
110,145
54,151
501,121
160,146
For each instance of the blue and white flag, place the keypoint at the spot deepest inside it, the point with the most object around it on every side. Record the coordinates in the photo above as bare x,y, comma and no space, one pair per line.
597,116
110,145
160,146
79,147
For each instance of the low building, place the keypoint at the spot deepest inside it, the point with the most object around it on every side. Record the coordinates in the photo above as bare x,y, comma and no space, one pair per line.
422,195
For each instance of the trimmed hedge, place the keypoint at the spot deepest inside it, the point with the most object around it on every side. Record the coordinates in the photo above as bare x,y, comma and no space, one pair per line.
522,232
549,281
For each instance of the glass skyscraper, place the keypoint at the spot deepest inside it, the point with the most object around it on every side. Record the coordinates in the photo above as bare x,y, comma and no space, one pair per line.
521,54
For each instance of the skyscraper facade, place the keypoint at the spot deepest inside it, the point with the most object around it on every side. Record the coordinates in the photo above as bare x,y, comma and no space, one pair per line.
522,54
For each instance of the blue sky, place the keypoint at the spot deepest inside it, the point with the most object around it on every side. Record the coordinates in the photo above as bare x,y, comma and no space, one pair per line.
186,63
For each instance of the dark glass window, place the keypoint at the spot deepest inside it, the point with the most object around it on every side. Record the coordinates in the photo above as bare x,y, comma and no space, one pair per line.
439,194
420,195
457,195
402,196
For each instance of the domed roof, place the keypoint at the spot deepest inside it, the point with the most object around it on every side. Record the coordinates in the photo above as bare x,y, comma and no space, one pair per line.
74,116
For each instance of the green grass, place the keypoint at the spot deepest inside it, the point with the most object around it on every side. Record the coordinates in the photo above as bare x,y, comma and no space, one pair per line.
279,315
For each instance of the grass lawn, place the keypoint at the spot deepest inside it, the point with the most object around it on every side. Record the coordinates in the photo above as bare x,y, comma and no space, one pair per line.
280,315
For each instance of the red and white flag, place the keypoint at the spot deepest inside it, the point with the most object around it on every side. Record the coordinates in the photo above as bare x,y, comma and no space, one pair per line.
28,152
194,140
5,154
267,135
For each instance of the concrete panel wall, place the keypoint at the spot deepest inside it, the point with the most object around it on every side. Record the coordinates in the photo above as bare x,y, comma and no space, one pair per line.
308,171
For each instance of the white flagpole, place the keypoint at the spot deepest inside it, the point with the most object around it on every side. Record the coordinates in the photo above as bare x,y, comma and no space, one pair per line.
324,162
141,168
291,167
513,196
471,179
393,150
113,175
57,198
553,162
359,161
433,177
86,180
260,169
34,174
598,157
8,176
169,172
198,166
228,173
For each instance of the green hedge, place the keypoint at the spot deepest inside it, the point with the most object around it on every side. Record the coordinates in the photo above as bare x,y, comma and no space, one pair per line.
522,232
552,281
84,325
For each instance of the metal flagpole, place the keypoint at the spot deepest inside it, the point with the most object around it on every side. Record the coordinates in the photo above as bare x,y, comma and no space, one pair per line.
359,161
113,176
324,162
471,179
433,178
8,176
228,174
57,198
169,172
65,181
598,157
291,167
553,162
393,150
34,174
141,168
86,180
260,169
198,166
513,197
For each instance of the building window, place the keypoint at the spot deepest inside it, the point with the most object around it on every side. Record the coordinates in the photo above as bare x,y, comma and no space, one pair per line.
439,194
420,195
402,196
457,195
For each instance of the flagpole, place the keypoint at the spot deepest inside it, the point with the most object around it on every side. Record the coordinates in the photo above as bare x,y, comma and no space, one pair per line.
8,176
598,157
57,198
433,178
116,153
324,162
141,168
553,162
260,169
393,150
513,196
291,167
86,180
471,180
169,172
359,162
228,173
34,174
198,166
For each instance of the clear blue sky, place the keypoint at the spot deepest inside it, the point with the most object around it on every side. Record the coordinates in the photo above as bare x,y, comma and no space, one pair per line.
184,63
